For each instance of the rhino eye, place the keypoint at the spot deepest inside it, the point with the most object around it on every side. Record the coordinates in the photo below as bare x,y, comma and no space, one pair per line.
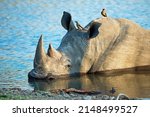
68,66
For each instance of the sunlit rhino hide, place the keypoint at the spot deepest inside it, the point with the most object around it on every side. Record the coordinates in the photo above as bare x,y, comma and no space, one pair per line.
105,44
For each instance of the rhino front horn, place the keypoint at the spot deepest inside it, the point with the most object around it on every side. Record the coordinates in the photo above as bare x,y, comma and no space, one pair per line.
51,52
40,55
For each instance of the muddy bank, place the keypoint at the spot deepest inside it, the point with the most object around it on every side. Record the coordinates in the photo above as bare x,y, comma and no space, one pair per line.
19,94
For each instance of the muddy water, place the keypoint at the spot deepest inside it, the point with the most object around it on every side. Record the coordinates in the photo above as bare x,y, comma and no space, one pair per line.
134,85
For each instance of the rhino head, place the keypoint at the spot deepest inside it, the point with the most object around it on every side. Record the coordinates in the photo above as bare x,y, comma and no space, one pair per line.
67,59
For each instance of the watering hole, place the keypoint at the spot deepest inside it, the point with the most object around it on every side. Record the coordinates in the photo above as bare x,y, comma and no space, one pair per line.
134,85
22,22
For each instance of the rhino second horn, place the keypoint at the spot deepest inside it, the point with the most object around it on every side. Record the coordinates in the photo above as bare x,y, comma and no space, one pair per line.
40,55
53,52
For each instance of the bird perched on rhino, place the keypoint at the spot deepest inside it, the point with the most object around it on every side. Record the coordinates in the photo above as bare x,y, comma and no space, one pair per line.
79,26
103,13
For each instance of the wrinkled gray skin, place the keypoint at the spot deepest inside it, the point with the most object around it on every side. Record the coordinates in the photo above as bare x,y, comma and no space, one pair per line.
104,44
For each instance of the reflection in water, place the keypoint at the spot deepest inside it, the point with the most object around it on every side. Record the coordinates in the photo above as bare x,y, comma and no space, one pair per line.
134,85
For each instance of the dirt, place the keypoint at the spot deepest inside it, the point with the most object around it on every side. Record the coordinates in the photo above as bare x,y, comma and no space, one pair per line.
19,94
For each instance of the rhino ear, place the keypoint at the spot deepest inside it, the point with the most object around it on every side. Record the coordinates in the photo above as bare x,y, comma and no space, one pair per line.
93,30
66,21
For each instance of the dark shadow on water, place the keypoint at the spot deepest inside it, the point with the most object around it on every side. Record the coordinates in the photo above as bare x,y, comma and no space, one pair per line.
134,84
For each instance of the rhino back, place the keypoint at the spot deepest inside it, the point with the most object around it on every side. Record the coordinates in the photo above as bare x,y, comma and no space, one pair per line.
120,44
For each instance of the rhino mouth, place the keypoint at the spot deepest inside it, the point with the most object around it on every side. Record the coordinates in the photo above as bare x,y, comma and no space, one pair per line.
34,74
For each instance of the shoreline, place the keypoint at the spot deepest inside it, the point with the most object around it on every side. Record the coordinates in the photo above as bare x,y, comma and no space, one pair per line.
19,94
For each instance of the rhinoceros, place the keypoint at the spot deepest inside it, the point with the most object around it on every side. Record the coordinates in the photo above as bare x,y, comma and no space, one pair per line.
103,45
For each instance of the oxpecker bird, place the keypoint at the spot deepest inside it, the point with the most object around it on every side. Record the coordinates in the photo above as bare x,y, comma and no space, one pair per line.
79,26
103,13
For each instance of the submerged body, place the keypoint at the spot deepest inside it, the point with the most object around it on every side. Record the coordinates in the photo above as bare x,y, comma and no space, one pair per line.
104,44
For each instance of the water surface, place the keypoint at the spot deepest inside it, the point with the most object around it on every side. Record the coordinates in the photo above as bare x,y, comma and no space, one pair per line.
134,85
22,22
